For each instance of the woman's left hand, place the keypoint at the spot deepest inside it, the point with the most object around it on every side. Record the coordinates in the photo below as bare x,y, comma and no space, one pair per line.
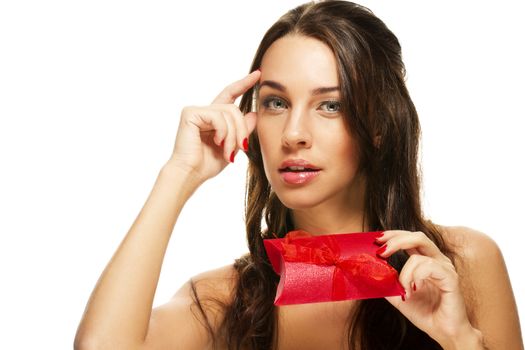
433,302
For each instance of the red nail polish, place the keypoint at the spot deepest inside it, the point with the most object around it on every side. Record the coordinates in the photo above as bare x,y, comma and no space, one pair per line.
381,250
414,286
403,297
232,156
245,144
379,235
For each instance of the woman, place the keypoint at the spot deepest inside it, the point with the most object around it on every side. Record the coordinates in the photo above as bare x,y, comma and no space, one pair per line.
330,93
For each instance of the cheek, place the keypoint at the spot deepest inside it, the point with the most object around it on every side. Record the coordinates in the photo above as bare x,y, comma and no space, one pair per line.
346,153
266,134
263,142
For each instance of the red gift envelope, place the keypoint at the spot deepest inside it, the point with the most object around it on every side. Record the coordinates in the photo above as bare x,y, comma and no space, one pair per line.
332,267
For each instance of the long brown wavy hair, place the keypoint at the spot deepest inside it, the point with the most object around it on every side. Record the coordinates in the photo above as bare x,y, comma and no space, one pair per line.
375,102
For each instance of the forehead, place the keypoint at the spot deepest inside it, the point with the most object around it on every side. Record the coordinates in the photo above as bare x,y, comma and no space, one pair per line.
298,61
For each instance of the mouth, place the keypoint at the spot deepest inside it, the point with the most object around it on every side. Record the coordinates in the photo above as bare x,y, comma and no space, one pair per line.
297,165
296,175
297,169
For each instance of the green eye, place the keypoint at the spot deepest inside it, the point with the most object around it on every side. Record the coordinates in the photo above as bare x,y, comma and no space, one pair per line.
331,106
273,103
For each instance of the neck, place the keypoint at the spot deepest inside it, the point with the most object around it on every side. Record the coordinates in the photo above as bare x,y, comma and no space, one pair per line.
342,214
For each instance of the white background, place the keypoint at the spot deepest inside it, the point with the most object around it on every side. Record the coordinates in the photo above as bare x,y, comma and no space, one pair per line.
90,96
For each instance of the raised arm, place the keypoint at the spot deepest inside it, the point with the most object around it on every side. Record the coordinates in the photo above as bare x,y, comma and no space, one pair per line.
118,313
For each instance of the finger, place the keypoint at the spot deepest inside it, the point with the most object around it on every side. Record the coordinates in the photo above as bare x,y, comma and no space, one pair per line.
251,121
206,119
386,235
412,242
419,269
236,89
231,136
406,276
406,279
240,124
242,130
435,272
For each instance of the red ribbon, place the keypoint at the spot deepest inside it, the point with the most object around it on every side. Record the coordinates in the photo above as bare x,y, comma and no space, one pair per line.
363,270
357,272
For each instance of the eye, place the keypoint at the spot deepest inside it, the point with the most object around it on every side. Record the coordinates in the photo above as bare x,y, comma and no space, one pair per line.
331,106
273,102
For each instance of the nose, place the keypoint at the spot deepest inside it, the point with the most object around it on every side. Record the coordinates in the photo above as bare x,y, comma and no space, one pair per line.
296,133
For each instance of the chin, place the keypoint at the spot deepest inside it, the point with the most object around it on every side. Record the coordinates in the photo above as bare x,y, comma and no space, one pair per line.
298,201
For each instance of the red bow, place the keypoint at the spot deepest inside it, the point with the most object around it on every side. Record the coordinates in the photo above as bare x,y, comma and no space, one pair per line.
330,268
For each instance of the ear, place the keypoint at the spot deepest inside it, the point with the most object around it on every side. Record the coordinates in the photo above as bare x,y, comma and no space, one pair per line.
377,141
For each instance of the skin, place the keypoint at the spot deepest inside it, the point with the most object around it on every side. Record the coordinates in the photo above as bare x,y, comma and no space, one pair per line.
467,306
311,128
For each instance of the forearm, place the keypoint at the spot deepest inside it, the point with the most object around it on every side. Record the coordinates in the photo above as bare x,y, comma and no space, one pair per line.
119,308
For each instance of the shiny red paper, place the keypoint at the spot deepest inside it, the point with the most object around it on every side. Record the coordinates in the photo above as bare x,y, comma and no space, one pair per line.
332,267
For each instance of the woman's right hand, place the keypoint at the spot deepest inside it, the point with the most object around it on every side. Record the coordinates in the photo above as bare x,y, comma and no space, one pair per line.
208,137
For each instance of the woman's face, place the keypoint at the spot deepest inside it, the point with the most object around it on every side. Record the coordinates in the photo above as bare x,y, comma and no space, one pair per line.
299,118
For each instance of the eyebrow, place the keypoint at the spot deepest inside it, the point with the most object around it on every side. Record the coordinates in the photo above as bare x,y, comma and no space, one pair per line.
317,91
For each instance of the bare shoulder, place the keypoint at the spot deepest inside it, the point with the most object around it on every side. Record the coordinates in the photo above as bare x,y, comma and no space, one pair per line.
486,286
179,323
476,253
218,282
471,245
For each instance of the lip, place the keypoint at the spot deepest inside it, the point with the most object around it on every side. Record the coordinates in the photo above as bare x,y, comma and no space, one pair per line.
298,177
298,162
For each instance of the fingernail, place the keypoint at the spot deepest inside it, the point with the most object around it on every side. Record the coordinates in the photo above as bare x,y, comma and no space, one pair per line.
403,297
379,235
232,156
259,69
245,144
414,286
381,250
